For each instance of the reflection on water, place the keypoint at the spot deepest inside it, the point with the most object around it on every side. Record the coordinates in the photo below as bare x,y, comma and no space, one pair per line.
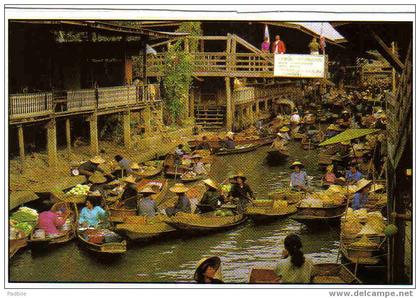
174,260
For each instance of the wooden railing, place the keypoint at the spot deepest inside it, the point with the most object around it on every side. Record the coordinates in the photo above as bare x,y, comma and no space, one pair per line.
220,64
74,101
30,104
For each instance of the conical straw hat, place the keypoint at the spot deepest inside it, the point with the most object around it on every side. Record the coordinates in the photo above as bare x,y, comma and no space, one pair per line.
135,166
284,129
375,187
97,177
179,188
97,160
147,189
297,163
210,183
214,260
361,184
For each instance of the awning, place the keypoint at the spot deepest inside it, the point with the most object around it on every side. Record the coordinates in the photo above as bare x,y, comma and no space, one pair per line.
348,135
315,29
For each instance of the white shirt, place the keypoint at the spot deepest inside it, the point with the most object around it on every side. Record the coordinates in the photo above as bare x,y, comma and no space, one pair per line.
292,274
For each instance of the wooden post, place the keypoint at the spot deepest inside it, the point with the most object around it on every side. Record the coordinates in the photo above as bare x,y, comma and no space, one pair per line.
127,129
228,52
229,110
21,148
68,135
147,115
394,74
266,105
94,143
52,143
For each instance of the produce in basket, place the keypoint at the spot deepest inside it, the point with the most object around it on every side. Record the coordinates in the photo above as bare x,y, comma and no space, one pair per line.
79,189
364,242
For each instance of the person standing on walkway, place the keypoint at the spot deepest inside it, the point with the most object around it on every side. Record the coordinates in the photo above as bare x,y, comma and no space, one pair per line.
278,46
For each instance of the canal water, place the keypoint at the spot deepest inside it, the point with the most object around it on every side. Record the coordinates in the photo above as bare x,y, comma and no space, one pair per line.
174,260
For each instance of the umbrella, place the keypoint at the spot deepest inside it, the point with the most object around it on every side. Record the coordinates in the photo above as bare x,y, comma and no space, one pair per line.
348,135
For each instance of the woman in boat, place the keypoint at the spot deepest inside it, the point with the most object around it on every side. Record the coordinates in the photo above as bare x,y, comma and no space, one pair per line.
51,221
352,174
298,178
329,177
89,167
294,266
198,165
279,143
360,197
130,192
124,165
284,133
332,130
295,118
146,205
229,143
183,204
241,191
98,181
209,271
346,120
91,215
211,199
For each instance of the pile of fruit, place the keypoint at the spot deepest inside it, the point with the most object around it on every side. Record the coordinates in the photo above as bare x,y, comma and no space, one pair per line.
25,220
189,175
79,190
226,188
223,213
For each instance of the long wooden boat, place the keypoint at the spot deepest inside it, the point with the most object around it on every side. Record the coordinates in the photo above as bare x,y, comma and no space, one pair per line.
275,157
18,243
118,211
266,214
68,235
324,273
158,165
112,248
238,149
215,145
199,224
319,215
363,255
144,229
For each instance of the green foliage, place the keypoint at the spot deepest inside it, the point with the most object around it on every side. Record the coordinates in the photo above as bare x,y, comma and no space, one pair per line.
177,71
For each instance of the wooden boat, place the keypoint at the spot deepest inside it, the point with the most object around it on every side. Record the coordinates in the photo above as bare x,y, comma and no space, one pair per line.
118,211
266,214
143,229
170,169
112,248
275,157
318,215
158,165
199,224
18,243
325,273
69,234
238,149
215,145
363,255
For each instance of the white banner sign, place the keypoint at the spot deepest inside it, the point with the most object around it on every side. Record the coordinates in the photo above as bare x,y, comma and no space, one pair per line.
299,66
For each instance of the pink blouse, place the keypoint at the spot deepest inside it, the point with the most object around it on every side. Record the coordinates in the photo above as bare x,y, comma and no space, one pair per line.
49,221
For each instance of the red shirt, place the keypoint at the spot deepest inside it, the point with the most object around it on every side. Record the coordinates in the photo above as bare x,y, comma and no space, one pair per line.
278,47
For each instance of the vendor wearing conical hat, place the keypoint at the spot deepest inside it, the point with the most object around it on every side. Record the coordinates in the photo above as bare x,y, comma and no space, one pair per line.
183,203
211,199
146,205
332,130
298,178
241,191
130,189
99,184
281,141
228,142
284,133
295,118
209,271
329,177
360,197
91,166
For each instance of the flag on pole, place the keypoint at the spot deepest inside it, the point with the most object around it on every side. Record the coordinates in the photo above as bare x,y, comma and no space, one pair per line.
266,33
322,39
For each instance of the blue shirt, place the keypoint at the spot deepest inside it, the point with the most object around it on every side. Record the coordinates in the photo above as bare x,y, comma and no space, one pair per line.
298,178
359,200
350,177
91,216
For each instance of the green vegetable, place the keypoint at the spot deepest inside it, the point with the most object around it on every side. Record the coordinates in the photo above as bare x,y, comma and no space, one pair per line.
21,216
390,230
228,213
24,227
219,213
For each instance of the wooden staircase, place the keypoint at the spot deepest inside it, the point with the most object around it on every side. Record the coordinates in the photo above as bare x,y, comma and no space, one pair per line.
210,117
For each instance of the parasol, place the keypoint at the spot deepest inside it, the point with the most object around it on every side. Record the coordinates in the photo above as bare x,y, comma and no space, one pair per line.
348,134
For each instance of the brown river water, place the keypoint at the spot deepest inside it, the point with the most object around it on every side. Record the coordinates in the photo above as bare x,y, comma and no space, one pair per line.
174,260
